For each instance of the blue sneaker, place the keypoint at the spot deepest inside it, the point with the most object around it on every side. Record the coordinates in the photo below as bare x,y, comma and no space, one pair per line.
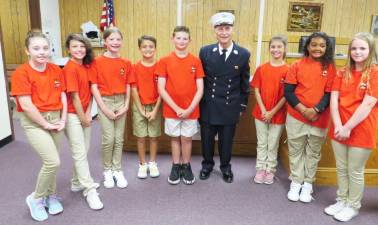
36,207
55,207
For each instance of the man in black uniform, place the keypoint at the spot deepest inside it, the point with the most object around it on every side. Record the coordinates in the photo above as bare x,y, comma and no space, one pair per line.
226,92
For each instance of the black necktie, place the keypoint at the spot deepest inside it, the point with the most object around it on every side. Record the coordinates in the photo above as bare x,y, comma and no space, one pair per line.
223,55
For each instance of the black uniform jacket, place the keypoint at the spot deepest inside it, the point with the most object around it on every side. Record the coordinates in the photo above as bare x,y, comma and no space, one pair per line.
226,85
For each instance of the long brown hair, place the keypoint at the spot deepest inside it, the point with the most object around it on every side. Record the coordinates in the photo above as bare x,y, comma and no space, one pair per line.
89,55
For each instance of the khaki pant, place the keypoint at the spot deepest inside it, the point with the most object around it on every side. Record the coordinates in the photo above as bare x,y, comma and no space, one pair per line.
45,143
268,139
305,144
112,133
350,164
79,138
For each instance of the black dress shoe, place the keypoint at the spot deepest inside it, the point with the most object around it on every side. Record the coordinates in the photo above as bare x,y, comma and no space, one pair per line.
204,173
228,176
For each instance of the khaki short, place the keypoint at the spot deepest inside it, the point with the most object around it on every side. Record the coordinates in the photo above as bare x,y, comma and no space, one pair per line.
144,128
177,127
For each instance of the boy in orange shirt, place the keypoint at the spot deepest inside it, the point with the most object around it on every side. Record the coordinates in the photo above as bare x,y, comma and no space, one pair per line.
269,112
146,107
354,129
180,85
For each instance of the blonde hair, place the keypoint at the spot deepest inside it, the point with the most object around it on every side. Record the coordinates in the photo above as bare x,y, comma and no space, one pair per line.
371,60
281,38
110,31
35,34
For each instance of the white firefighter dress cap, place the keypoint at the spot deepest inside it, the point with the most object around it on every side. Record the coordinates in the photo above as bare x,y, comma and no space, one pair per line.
222,18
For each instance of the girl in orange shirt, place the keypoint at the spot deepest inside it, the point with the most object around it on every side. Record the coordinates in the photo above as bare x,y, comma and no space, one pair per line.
111,89
307,90
39,89
269,112
354,128
77,74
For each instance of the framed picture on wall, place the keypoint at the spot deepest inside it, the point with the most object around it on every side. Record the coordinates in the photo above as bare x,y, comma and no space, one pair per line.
374,25
304,17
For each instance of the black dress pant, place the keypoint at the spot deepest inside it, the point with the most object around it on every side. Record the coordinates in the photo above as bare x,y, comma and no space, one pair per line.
225,137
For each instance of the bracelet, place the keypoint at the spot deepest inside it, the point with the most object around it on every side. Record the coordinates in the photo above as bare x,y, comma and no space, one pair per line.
316,109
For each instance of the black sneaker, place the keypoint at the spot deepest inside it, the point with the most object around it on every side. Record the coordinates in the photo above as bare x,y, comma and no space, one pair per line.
187,174
174,177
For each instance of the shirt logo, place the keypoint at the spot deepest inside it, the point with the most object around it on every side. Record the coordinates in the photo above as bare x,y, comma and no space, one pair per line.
122,71
193,69
363,86
56,83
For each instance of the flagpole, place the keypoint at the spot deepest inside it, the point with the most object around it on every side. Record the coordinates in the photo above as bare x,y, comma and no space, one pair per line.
179,13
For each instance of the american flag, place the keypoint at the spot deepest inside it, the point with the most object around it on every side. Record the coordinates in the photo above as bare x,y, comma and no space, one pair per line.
107,16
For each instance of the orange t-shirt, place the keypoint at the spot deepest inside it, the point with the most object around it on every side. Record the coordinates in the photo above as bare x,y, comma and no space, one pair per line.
181,75
112,75
44,88
269,80
144,79
312,81
351,94
77,79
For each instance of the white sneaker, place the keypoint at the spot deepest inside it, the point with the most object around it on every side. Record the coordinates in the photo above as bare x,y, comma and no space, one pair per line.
120,179
108,179
93,200
77,188
346,214
154,170
293,194
142,171
306,192
335,208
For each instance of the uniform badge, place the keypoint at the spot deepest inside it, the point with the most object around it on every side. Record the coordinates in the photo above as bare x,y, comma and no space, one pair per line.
363,86
215,49
324,73
193,69
56,83
235,52
122,71
236,67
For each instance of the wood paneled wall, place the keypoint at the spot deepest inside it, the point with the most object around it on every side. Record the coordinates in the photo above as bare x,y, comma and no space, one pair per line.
341,18
15,24
158,18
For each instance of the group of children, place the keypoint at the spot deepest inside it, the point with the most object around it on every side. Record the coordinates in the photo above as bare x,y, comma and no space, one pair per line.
53,100
316,94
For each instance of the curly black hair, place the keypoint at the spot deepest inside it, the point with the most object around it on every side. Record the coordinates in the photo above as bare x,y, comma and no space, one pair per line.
327,59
